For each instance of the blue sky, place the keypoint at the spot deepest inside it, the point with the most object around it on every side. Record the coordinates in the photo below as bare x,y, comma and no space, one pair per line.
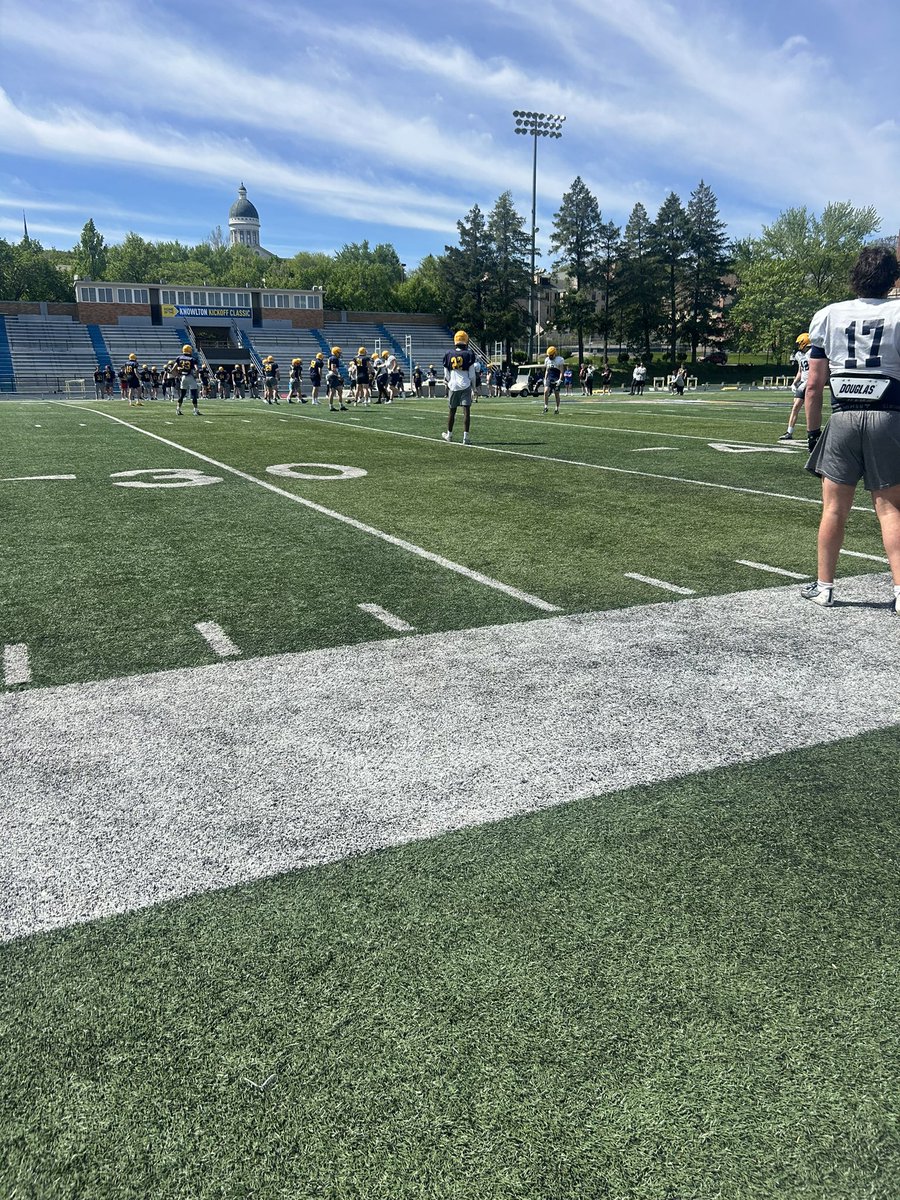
388,122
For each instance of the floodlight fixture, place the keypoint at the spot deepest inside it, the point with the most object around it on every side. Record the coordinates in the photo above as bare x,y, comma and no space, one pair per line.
535,124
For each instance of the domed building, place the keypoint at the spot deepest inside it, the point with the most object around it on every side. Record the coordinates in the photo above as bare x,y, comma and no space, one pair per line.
243,225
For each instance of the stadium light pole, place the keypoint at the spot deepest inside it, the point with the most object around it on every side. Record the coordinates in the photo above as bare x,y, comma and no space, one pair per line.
535,125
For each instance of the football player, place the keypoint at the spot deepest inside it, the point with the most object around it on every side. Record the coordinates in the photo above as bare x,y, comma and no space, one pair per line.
855,349
554,365
271,377
459,375
335,380
801,358
187,371
315,377
362,362
382,378
295,379
131,382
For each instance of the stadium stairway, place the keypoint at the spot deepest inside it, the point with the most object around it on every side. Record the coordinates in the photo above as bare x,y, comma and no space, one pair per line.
7,374
100,348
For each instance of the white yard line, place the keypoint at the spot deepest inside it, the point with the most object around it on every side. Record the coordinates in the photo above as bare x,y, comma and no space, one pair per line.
16,666
113,799
573,462
646,449
387,618
771,570
28,478
661,583
217,639
401,544
859,554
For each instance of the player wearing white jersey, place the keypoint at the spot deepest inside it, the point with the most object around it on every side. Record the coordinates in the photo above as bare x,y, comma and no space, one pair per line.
855,348
801,359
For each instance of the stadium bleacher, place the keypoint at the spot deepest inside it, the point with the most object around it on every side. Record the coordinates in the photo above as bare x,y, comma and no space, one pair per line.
153,344
47,351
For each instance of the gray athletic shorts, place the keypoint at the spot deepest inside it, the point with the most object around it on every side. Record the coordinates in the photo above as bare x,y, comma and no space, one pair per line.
861,444
463,398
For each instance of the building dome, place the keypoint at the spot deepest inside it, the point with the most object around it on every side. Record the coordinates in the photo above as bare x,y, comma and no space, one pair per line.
242,208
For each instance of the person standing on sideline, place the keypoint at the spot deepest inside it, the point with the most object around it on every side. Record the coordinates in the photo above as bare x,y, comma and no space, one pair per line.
855,349
567,381
801,358
460,377
554,364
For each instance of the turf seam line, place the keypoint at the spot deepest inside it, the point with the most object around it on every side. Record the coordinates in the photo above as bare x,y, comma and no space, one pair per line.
400,543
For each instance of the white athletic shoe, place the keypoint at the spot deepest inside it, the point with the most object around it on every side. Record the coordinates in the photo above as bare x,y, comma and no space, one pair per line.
819,595
467,441
447,436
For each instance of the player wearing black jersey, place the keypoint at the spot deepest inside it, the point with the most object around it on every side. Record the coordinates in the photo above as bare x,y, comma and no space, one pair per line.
315,377
295,382
855,349
459,375
131,382
271,377
363,365
335,380
99,386
187,371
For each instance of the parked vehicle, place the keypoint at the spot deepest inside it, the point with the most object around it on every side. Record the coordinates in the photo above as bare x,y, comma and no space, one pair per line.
530,380
718,358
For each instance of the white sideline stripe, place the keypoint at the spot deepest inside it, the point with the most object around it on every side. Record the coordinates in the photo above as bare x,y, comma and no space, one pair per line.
859,554
26,478
400,543
772,570
16,667
574,462
382,614
219,641
691,437
645,449
111,804
661,583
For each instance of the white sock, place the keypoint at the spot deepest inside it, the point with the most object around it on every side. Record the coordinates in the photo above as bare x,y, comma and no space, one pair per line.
822,584
897,590
790,428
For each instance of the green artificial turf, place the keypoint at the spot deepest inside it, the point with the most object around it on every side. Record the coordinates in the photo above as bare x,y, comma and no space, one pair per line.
682,992
103,580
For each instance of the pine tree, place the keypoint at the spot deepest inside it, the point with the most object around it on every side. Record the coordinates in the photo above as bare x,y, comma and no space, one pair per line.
639,282
668,238
577,235
467,272
91,252
707,263
609,251
509,248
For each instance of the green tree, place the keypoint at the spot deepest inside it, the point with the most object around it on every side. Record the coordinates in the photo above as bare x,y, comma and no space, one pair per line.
509,249
668,238
577,237
423,289
639,282
26,273
134,260
467,273
364,278
90,255
797,265
610,235
708,261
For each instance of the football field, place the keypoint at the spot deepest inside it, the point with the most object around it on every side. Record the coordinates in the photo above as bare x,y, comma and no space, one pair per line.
388,818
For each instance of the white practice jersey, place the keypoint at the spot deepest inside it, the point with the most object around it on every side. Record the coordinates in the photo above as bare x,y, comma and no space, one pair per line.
861,340
800,359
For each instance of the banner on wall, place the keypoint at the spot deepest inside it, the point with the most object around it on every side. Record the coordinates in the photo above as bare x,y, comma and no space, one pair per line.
193,310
